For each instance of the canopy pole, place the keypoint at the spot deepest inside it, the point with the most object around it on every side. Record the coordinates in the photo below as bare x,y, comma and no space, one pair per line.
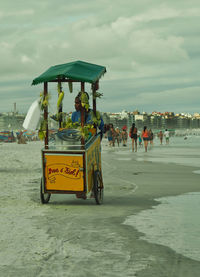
94,99
46,139
82,113
94,88
60,107
82,86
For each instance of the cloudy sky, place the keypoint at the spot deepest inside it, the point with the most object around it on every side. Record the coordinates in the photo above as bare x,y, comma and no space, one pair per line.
151,49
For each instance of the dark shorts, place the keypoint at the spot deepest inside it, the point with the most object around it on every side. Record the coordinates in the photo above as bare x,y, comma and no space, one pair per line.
145,139
110,138
134,136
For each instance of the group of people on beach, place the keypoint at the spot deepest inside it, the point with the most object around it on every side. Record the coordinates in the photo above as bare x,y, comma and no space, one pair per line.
146,136
115,135
165,134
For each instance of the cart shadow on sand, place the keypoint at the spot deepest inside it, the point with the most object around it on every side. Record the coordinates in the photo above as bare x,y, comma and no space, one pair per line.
109,201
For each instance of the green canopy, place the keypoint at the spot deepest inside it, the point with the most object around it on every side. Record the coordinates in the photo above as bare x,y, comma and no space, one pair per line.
78,71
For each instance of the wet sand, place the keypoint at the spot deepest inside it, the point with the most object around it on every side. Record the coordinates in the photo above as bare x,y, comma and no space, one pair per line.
75,237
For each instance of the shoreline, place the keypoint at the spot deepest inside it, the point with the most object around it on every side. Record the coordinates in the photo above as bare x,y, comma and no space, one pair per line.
150,196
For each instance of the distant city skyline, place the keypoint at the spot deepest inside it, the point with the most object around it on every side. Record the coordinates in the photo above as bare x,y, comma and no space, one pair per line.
155,120
14,108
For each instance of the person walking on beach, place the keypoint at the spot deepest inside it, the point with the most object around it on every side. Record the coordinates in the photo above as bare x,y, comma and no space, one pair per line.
124,136
160,135
117,135
113,135
166,134
145,136
151,137
109,134
133,136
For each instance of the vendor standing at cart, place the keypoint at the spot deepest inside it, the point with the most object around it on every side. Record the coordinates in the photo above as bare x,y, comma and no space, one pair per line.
76,115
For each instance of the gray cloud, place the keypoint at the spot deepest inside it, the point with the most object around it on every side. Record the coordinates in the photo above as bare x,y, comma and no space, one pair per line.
150,50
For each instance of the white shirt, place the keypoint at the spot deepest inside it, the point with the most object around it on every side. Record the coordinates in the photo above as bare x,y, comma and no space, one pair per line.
166,134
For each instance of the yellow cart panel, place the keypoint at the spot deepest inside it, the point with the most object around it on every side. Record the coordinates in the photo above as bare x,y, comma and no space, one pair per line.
64,172
93,158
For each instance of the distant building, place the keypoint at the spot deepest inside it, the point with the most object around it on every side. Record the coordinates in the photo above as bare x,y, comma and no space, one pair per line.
11,121
118,119
155,120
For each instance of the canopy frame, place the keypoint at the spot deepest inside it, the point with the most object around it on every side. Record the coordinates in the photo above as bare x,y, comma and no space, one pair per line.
60,80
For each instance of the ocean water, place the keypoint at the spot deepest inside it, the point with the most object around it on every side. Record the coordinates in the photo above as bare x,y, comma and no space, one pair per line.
177,229
171,224
179,151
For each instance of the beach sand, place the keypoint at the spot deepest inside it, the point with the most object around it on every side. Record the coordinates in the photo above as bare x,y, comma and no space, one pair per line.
75,237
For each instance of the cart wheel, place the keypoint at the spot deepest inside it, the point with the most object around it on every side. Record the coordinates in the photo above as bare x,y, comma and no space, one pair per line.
98,187
44,197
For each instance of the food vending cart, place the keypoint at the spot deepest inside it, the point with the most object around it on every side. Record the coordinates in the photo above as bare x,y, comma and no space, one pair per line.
73,166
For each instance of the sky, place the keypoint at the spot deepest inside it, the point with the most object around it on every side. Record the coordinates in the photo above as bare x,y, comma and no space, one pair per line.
150,49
